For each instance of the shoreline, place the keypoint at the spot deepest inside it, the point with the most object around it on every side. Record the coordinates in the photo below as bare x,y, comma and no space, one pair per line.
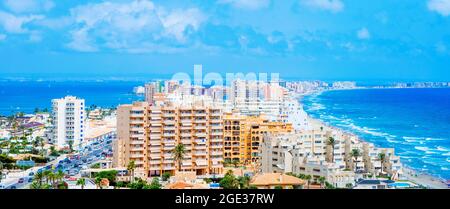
411,174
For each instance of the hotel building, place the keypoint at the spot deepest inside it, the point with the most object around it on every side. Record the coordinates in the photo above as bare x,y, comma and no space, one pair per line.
148,135
243,135
68,121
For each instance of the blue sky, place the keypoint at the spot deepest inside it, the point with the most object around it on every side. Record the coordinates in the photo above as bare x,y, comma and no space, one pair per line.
304,39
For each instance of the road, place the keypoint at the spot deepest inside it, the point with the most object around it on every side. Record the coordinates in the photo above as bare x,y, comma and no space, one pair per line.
71,166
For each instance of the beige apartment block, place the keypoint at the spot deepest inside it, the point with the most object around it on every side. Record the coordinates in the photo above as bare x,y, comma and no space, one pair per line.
243,135
148,135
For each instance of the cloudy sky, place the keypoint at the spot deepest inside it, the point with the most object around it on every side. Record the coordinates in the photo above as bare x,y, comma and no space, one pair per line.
306,39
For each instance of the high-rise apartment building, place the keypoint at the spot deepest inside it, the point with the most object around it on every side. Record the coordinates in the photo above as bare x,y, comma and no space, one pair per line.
243,135
68,119
148,135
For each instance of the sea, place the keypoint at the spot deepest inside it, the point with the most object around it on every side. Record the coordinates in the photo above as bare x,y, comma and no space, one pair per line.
414,121
27,95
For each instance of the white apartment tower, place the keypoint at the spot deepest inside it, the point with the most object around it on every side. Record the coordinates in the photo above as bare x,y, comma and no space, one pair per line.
68,115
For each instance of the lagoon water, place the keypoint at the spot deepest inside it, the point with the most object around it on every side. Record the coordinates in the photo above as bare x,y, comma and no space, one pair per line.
416,122
25,96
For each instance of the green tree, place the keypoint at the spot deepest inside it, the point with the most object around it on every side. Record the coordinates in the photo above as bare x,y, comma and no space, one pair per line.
322,181
178,154
1,172
235,163
81,182
331,142
59,175
110,175
244,182
356,154
154,185
39,177
166,176
308,180
349,186
130,167
382,158
70,142
47,175
229,181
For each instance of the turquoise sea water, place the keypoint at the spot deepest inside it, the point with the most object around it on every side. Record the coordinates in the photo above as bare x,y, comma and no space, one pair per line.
25,96
416,122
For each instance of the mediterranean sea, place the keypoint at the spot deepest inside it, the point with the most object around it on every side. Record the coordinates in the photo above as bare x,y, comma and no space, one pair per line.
25,96
416,122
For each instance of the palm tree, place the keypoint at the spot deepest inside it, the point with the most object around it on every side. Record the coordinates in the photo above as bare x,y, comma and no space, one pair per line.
39,177
178,154
308,178
322,181
81,182
382,158
59,175
331,142
235,163
98,182
47,174
40,141
70,145
130,167
51,176
356,154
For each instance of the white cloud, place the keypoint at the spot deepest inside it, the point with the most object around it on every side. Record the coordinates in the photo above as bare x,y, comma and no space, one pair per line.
176,22
20,6
2,37
15,24
247,4
440,6
81,41
329,5
363,33
128,25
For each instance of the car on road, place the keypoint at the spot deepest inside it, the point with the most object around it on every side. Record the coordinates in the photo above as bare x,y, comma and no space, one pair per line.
30,180
31,174
21,180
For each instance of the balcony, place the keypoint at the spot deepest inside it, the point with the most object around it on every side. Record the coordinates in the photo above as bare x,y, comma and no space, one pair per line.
217,153
136,155
155,156
137,142
201,162
155,136
140,135
155,149
200,127
168,167
216,133
169,122
216,140
200,141
216,146
199,153
200,134
155,123
185,141
186,134
200,121
155,162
